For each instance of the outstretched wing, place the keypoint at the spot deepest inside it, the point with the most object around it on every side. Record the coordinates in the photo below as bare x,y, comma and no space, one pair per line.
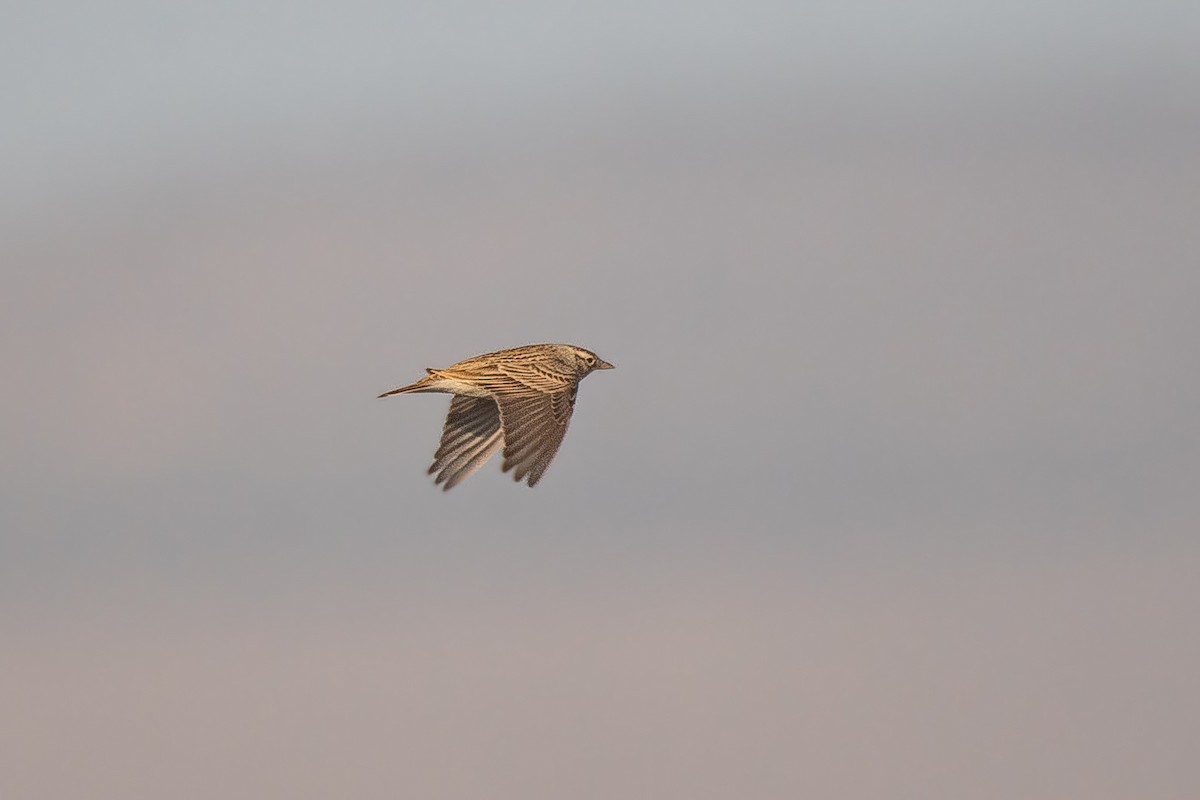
469,437
534,425
513,376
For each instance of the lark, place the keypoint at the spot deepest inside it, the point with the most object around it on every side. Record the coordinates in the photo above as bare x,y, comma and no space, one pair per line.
519,399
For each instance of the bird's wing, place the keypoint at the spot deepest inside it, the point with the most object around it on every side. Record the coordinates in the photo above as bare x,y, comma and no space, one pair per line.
515,377
469,437
534,426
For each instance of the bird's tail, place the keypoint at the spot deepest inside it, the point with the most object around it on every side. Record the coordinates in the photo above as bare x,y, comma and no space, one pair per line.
422,385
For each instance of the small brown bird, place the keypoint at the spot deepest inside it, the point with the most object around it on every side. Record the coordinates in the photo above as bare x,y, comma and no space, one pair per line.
519,399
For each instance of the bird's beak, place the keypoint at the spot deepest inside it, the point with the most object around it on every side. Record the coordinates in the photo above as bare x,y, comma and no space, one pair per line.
602,364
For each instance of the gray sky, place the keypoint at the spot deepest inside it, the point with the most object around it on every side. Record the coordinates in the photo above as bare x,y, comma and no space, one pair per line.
893,492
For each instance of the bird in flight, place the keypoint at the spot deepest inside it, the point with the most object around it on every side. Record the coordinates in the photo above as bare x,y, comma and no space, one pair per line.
519,399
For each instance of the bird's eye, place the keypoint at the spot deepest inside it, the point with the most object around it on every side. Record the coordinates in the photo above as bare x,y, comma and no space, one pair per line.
589,359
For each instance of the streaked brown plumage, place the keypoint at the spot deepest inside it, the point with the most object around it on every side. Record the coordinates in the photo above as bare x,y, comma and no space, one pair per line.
519,399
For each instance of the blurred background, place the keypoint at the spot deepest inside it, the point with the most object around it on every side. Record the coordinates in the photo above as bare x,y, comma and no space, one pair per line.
893,493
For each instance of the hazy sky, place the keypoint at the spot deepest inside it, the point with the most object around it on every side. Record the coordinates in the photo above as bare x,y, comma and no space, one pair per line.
893,492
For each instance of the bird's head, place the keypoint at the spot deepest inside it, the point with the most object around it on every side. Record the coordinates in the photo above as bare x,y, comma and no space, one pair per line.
586,361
